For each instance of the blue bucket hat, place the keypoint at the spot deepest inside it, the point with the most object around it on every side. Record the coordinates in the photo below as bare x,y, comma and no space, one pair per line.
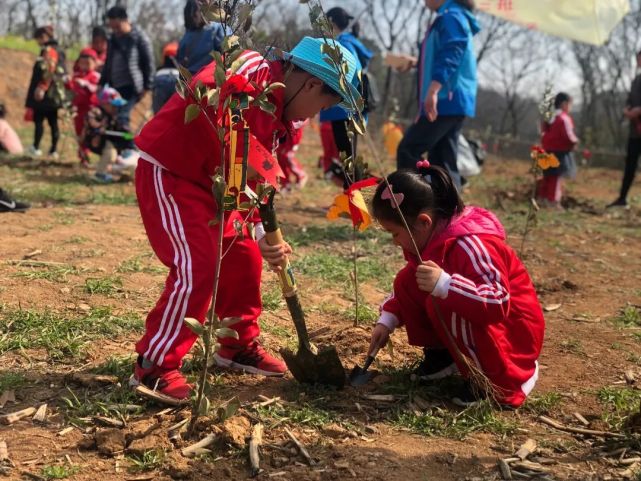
308,55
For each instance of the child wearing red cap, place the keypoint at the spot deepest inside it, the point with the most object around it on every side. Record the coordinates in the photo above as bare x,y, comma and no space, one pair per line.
84,85
166,77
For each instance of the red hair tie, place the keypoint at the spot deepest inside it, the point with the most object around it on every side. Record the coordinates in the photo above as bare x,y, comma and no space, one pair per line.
423,164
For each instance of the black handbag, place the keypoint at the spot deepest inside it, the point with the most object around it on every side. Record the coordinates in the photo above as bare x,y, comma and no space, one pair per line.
369,91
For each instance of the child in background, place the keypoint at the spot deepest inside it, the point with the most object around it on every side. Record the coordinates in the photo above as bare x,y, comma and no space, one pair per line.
166,77
174,189
46,92
103,135
84,85
286,155
558,139
467,281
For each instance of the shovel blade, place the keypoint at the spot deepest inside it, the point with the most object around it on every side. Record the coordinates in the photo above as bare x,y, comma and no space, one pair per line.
359,376
309,368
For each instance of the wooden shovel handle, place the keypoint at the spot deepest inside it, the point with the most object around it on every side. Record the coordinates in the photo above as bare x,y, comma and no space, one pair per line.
286,276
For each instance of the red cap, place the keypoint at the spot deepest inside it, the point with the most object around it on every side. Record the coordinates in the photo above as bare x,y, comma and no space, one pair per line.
89,52
170,50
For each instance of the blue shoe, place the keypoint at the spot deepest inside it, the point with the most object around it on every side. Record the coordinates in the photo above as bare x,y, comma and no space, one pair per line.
103,178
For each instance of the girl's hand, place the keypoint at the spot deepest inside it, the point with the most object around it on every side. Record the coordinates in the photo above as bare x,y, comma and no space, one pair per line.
274,255
427,276
380,336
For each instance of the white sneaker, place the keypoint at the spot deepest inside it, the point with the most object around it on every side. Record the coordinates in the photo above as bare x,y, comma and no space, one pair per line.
34,152
126,160
54,155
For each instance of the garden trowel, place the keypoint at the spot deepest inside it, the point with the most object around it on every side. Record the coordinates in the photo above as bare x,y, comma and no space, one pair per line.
360,375
306,365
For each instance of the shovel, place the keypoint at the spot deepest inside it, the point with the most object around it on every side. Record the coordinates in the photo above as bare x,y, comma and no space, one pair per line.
307,366
359,375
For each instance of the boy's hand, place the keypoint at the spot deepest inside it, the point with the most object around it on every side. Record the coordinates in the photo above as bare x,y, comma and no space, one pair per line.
274,255
431,101
427,276
380,336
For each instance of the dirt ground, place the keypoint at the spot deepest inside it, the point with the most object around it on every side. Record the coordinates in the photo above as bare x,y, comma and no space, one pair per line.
77,277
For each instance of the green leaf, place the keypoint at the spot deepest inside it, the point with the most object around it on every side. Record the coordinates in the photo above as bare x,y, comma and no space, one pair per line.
229,43
218,188
195,326
359,126
184,73
219,75
205,405
230,321
181,88
228,409
225,332
267,107
191,112
218,58
274,86
213,96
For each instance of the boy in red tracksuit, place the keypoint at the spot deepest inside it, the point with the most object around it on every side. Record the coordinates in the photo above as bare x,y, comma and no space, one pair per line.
286,155
558,139
174,189
84,86
468,282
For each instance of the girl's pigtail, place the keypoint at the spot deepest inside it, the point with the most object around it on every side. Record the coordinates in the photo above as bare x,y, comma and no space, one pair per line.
447,201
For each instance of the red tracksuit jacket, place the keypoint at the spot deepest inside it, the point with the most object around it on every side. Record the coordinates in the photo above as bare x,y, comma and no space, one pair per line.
486,298
192,151
558,135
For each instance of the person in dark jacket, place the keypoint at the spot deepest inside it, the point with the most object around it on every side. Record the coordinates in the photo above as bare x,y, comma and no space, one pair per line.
46,93
447,87
200,39
129,67
632,112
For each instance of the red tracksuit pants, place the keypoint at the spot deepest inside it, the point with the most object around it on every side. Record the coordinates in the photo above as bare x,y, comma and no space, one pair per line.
423,331
176,214
330,151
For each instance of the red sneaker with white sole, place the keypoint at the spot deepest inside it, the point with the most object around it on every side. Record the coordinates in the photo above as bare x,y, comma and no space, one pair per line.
164,385
252,359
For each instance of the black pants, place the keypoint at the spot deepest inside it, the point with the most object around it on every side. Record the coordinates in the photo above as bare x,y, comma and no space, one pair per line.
631,164
39,117
439,139
344,145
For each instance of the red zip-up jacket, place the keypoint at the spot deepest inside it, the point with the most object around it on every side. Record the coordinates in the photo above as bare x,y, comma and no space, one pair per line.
558,135
487,301
192,151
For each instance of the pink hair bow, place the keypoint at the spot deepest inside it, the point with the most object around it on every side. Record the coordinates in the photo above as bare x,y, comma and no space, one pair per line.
423,164
387,195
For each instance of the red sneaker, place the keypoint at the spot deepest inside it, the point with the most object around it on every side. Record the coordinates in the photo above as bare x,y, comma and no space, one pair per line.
252,359
168,386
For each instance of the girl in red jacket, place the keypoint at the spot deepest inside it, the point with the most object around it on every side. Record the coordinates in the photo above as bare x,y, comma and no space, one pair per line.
558,139
468,282
174,189
84,86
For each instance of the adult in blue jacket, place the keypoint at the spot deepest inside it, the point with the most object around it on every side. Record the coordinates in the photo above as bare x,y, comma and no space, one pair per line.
200,39
341,21
447,87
